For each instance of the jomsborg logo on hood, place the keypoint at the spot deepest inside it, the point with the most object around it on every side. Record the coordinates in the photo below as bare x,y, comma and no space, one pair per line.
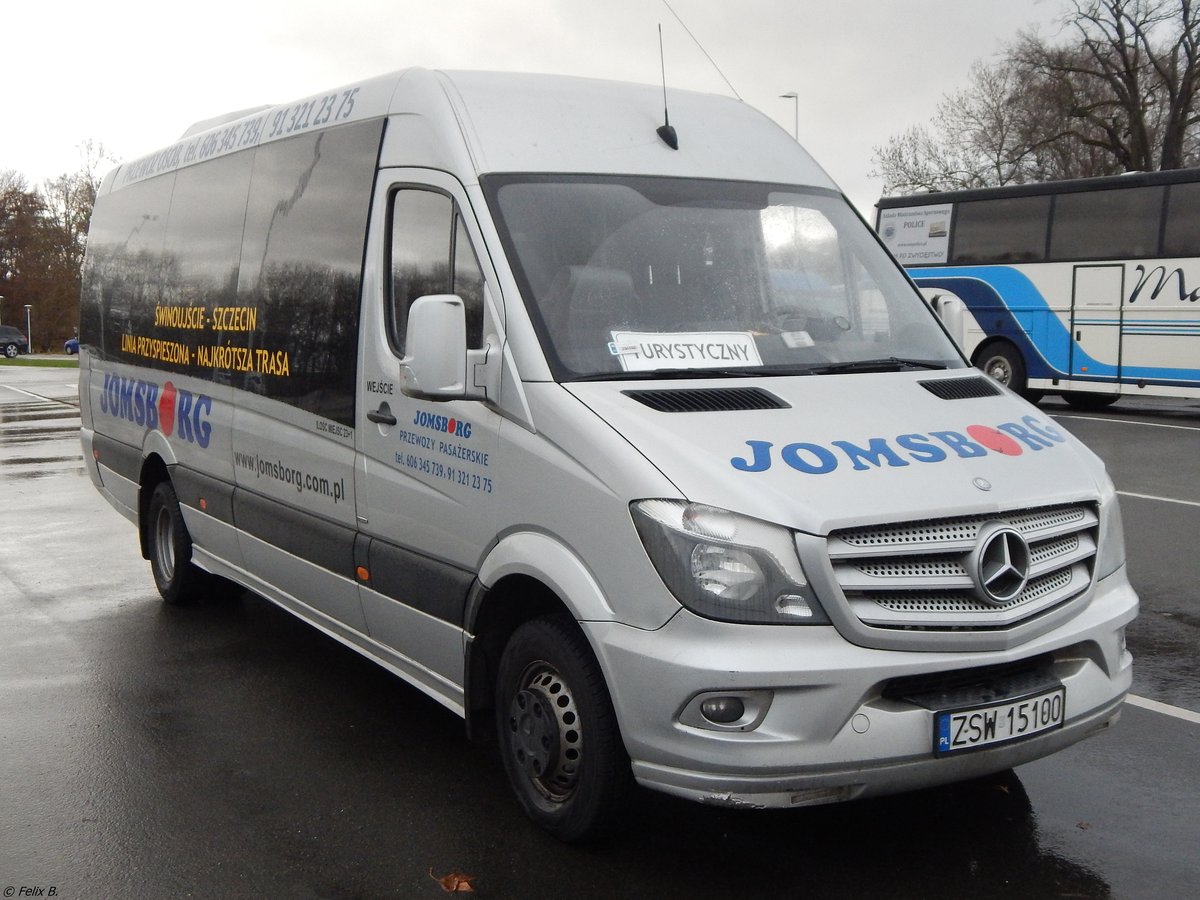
1008,439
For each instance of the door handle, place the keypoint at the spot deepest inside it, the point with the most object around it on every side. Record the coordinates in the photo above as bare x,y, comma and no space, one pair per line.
382,416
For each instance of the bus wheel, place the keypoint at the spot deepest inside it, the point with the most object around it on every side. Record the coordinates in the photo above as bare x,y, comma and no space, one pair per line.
1004,364
557,731
1088,400
170,548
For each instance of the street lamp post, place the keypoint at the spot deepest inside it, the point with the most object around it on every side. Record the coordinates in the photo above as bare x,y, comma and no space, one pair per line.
795,98
28,326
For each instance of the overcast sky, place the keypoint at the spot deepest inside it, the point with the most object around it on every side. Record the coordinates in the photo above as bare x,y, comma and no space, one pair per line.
134,74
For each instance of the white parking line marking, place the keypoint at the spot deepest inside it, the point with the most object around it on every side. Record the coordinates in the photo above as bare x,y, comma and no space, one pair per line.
1128,422
1165,708
1163,499
19,391
39,396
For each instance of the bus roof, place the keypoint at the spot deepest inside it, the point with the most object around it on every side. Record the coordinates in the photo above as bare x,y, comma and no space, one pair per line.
1076,185
481,122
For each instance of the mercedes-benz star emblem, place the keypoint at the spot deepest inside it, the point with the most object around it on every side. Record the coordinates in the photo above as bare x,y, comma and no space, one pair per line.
999,564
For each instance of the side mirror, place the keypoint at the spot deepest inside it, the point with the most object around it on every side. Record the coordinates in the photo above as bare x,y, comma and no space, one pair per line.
437,363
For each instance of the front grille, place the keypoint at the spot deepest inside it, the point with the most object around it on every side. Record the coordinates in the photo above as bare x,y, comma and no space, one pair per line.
915,575
969,687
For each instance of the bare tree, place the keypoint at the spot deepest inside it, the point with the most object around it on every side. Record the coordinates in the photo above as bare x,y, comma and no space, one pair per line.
1128,83
69,199
20,240
1119,95
969,143
42,238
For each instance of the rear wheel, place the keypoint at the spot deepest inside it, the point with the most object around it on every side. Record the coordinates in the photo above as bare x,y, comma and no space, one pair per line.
11,351
170,548
557,731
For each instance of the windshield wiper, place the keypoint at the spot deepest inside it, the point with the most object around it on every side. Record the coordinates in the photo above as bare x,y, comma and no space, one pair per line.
883,364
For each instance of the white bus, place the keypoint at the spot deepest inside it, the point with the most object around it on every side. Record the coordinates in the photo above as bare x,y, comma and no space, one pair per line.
1083,288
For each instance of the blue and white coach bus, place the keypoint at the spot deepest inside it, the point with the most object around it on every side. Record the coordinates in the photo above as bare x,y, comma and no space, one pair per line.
1084,288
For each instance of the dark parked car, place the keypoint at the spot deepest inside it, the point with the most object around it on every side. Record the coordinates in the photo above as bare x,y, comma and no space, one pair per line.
12,341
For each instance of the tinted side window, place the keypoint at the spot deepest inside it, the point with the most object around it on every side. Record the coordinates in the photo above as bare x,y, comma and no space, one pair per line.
1106,224
123,276
468,283
171,279
1001,231
204,234
420,253
301,268
1182,235
430,253
200,265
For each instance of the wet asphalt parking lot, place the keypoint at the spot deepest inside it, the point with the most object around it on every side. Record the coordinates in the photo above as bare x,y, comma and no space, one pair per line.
228,750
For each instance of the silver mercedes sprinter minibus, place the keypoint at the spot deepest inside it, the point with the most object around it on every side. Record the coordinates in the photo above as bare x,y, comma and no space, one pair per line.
630,445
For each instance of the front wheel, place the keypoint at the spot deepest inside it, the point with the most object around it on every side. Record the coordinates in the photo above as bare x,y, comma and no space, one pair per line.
170,548
1004,363
557,731
11,351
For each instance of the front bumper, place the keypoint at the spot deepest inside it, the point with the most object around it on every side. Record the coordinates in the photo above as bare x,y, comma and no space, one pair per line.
829,732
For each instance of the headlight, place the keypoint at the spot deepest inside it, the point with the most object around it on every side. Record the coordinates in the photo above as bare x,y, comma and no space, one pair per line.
725,566
1111,555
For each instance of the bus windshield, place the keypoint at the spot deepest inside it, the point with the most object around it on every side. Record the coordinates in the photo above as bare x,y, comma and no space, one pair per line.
638,277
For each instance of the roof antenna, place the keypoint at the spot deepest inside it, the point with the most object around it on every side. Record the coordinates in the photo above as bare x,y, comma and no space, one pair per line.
665,131
683,24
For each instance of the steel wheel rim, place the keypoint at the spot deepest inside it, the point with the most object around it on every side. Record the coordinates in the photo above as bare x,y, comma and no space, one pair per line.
164,543
545,732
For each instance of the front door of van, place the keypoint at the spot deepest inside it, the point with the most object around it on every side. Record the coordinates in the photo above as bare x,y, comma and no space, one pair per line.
425,481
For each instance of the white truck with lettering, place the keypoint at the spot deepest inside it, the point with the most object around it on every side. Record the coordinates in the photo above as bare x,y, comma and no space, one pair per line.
627,443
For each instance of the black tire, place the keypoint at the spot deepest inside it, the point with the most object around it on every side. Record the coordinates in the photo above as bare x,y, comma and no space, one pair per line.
11,351
557,732
1003,363
1086,400
169,547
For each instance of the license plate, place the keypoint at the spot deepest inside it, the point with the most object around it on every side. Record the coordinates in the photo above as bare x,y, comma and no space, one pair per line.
984,726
